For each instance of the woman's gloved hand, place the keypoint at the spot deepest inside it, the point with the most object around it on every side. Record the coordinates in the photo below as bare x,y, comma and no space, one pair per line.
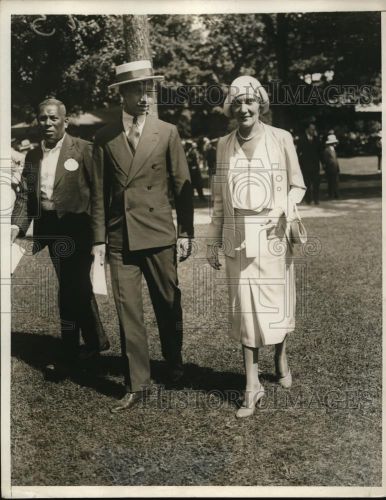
212,257
274,216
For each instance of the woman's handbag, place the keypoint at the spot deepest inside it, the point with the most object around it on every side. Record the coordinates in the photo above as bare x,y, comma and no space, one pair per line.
298,232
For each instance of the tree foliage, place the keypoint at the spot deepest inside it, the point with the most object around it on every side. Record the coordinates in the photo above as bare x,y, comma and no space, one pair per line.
76,62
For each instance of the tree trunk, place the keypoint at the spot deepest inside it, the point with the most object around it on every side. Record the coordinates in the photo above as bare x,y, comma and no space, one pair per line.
136,37
281,39
277,27
137,46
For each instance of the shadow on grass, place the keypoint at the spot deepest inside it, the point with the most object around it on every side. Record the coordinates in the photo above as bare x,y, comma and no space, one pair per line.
38,349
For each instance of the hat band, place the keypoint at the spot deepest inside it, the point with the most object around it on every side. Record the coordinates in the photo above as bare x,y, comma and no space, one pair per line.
137,73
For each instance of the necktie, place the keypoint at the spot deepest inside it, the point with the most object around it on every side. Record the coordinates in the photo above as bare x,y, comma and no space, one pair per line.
134,135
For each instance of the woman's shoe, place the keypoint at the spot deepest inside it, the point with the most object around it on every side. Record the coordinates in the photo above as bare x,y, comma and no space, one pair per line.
248,411
286,381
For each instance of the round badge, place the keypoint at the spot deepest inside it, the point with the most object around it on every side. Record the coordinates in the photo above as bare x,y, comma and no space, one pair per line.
71,164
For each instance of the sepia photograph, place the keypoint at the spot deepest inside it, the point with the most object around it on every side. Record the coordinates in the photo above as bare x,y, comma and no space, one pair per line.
191,249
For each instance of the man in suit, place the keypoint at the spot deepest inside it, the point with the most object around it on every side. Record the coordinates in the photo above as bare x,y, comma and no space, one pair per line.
309,159
133,159
56,195
193,159
331,166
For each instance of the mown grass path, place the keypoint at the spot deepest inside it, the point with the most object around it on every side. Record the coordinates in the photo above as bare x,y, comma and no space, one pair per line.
325,431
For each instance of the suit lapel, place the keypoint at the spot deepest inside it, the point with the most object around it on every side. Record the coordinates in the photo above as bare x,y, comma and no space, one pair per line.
120,150
148,141
66,152
36,164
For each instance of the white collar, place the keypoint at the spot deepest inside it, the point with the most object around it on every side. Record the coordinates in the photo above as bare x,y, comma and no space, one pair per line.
128,121
57,145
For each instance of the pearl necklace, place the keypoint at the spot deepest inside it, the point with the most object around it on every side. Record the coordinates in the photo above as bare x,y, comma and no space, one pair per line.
247,138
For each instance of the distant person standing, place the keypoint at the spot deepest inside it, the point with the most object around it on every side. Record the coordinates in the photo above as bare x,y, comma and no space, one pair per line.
210,157
193,159
18,154
17,165
309,159
331,166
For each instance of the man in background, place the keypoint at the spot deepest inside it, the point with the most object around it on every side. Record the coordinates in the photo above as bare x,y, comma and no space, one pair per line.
309,159
331,166
193,159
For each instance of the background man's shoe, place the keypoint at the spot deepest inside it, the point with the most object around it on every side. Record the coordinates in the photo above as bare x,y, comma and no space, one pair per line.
129,400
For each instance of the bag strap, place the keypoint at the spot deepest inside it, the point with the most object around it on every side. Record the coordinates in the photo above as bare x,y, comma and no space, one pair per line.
297,212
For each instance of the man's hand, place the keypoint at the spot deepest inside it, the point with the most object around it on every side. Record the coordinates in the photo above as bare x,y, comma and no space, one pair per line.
184,248
14,233
212,257
100,252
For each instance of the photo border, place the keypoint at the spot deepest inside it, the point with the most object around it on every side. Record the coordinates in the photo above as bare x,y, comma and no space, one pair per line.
9,7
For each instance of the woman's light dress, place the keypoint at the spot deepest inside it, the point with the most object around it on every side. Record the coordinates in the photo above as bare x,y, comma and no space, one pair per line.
262,290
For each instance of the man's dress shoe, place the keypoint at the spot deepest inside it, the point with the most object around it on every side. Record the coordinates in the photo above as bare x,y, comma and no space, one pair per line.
128,401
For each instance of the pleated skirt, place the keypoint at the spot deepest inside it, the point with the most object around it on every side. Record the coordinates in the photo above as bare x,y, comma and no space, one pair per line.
262,290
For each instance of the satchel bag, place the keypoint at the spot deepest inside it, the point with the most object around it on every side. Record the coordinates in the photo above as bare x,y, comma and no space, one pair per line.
298,232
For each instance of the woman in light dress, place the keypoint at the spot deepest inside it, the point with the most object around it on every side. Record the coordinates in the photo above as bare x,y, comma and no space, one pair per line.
257,184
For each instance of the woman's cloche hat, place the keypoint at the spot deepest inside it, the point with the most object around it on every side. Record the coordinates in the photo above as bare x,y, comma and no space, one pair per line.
331,139
246,85
134,71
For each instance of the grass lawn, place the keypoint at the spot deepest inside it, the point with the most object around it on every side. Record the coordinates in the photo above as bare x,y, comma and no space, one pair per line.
325,431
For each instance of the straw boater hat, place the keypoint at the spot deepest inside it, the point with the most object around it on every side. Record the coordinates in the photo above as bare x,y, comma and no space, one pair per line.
25,145
331,139
246,85
134,71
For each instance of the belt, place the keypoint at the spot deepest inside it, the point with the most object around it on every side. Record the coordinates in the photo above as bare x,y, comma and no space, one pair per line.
244,212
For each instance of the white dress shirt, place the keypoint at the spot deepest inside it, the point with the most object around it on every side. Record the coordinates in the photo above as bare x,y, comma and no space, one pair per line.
47,173
128,122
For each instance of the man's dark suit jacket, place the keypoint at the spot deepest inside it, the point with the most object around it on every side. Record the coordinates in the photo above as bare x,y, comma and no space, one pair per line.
309,154
130,203
71,192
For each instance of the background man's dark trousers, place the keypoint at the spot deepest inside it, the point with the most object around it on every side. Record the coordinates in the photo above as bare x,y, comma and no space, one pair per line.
309,158
332,182
158,265
312,182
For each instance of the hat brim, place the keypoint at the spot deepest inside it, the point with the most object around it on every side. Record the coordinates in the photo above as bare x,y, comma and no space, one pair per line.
332,142
140,78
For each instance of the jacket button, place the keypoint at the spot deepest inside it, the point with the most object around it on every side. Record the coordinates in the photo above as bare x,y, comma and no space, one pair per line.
149,187
127,209
151,209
